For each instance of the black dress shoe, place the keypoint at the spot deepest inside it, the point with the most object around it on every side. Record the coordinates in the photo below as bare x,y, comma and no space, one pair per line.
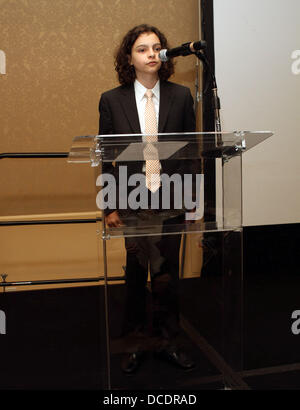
131,362
176,356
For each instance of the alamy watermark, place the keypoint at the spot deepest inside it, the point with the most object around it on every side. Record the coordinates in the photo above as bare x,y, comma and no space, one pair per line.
295,64
177,192
2,323
296,324
2,62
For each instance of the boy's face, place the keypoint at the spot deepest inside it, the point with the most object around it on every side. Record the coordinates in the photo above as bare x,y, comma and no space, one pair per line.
144,55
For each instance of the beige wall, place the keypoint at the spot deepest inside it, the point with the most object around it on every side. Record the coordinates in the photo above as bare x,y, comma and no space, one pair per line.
59,59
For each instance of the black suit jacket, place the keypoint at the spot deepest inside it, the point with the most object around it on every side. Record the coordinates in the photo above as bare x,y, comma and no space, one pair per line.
118,111
119,115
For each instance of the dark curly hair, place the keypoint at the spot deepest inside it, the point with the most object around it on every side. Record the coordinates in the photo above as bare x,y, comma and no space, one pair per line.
126,72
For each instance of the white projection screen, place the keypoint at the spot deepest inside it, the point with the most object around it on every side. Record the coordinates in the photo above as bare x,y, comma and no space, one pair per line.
257,57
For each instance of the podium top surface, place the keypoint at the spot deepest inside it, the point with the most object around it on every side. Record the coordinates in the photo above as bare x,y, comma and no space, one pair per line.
130,147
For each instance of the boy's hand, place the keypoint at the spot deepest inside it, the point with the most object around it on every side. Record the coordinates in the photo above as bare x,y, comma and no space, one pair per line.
113,220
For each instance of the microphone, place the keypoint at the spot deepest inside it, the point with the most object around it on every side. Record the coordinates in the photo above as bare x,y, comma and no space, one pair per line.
184,50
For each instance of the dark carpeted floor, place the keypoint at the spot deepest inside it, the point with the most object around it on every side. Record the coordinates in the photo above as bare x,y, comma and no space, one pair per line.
56,338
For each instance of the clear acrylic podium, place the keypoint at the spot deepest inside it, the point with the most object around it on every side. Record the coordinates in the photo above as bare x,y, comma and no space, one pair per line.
208,219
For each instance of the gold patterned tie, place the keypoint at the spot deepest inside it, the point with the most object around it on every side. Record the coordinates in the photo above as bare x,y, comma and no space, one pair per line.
152,165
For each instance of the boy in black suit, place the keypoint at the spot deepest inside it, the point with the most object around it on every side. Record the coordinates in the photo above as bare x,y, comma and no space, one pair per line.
122,111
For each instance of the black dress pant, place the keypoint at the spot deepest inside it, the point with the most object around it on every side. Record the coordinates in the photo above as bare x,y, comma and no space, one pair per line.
158,255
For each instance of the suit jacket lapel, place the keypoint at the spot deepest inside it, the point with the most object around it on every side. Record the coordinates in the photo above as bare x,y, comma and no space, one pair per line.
166,98
127,100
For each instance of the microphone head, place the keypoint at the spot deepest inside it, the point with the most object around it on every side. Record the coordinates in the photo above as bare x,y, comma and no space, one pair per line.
163,55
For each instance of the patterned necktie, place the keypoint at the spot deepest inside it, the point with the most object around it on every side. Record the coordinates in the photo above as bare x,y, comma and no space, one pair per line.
153,164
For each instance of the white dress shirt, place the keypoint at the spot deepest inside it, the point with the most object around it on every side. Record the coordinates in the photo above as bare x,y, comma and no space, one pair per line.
139,91
140,98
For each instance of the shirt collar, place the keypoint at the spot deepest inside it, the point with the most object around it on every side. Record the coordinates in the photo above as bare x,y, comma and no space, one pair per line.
140,90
